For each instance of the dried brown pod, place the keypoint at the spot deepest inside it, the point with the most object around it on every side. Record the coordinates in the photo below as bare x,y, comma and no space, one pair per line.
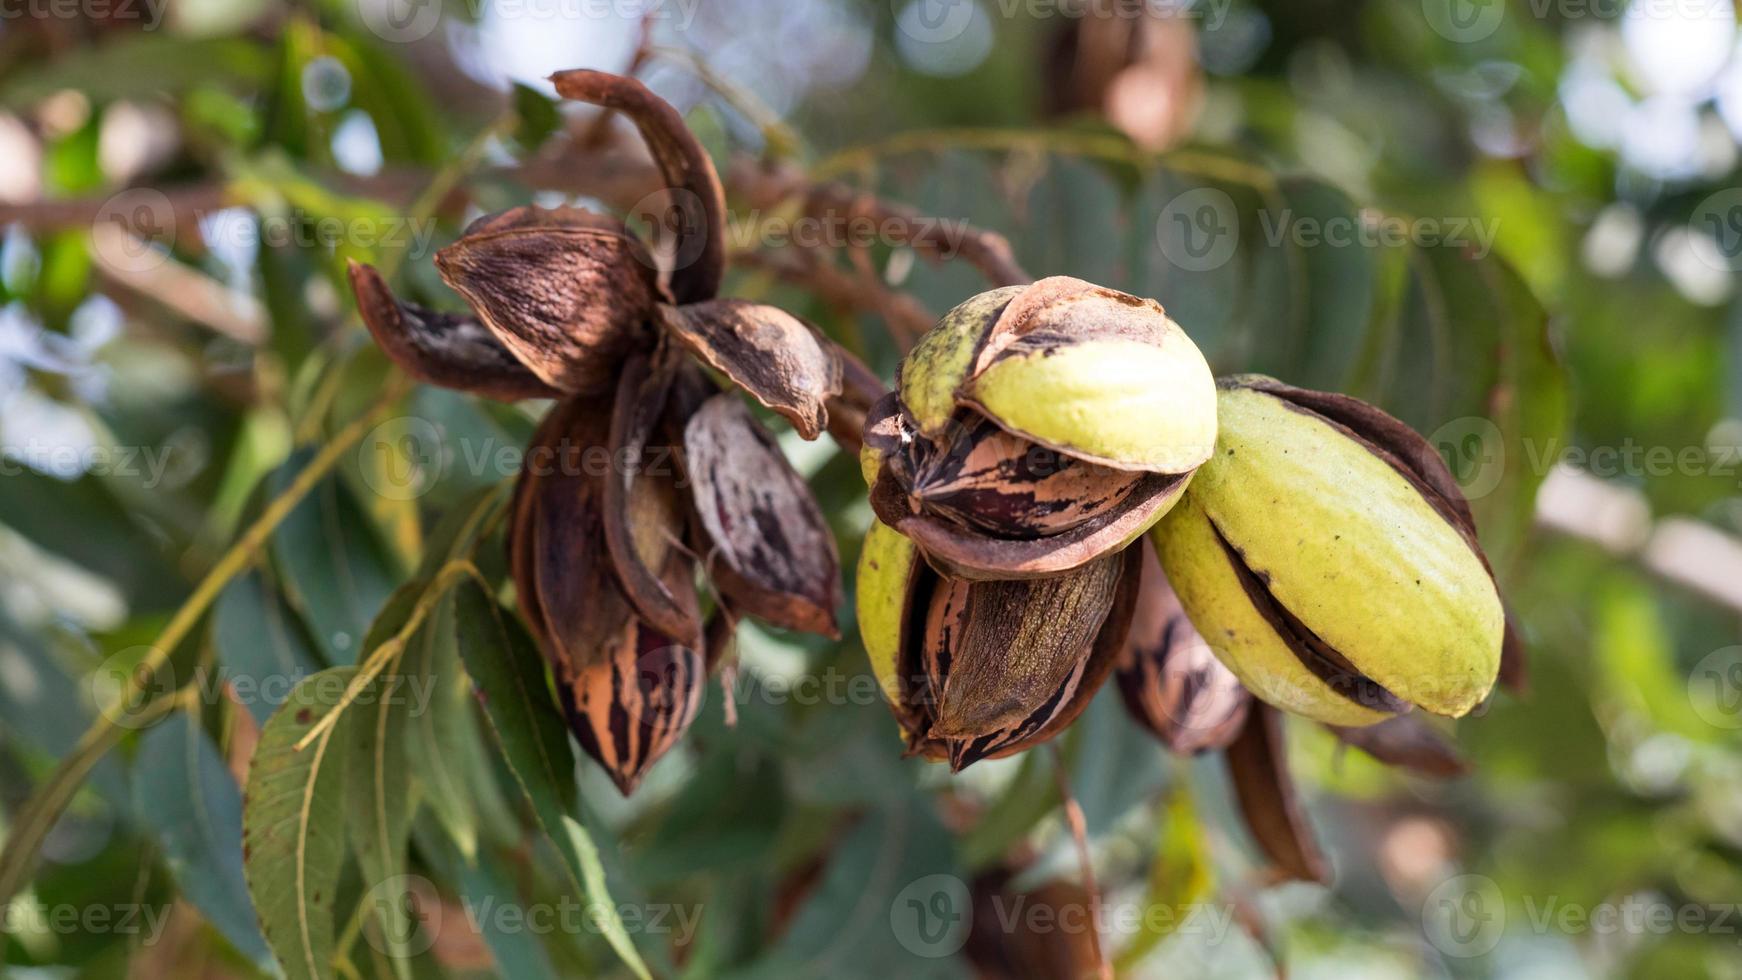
1269,800
1054,937
768,546
609,527
630,709
693,185
989,480
565,292
1407,742
975,670
779,359
1001,658
642,516
452,350
1171,682
567,584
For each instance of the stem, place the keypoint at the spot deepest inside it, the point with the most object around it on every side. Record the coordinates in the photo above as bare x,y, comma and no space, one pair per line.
40,813
782,141
1080,834
390,650
444,182
45,805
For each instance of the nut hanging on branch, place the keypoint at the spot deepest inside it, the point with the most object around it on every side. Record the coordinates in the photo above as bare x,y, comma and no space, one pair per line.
605,529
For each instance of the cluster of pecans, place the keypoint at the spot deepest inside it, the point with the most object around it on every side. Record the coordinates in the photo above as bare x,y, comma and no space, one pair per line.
1063,493
569,305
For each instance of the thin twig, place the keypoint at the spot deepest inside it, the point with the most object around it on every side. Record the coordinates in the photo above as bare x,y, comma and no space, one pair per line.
53,795
782,141
1080,834
905,316
189,292
390,650
767,186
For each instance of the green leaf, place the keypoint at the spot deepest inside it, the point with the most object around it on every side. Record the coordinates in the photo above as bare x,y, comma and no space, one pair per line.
1476,371
888,905
260,644
293,828
1024,803
1339,277
186,799
1114,764
1076,224
334,571
604,911
84,522
1180,877
137,64
537,117
509,675
42,706
396,98
433,749
1185,256
485,884
446,748
378,780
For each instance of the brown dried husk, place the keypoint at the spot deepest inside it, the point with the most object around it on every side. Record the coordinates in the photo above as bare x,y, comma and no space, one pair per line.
1269,800
766,543
916,710
780,360
997,653
985,479
567,293
1170,680
630,709
453,350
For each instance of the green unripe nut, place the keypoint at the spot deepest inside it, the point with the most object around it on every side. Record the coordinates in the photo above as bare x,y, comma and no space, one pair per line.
1091,372
1038,428
1328,558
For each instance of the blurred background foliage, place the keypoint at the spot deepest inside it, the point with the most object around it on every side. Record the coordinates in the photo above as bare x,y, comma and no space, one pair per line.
1573,346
